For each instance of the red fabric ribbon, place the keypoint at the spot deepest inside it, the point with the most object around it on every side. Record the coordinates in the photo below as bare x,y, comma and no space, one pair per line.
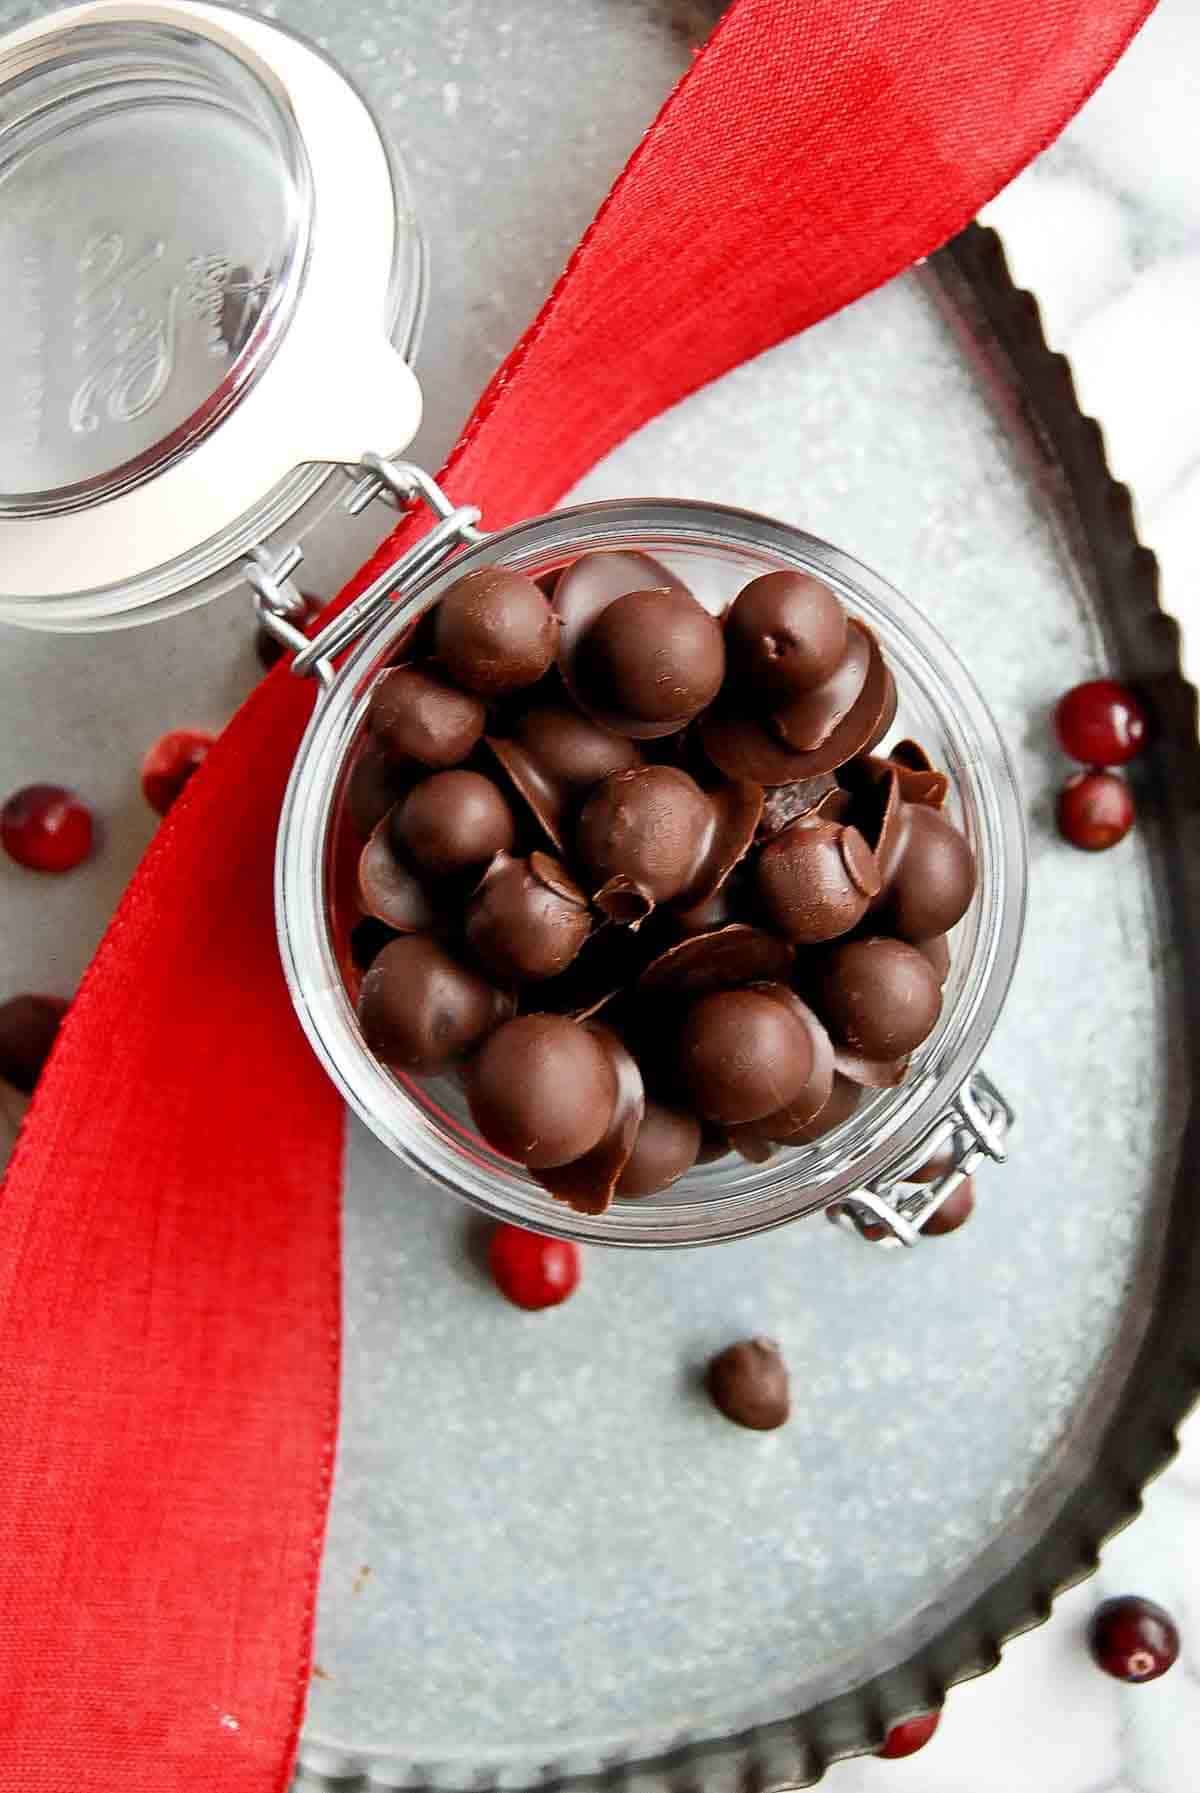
169,1270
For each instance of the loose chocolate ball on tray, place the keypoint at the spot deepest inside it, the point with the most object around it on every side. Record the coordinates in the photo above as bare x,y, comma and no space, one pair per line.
880,997
450,823
784,633
415,715
748,1383
420,1010
542,1090
494,632
528,918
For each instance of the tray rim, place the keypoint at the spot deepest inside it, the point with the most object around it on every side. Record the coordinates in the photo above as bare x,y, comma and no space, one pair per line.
1140,1435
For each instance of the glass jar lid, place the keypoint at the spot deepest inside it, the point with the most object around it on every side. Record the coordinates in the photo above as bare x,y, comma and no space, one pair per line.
183,190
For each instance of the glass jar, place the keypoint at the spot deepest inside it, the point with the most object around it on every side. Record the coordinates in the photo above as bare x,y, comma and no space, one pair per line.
856,1172
187,367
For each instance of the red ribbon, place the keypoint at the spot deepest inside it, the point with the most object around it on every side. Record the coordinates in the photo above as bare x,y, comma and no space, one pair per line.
169,1269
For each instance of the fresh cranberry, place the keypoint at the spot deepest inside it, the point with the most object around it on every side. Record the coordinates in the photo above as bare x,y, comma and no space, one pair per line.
906,1739
954,1212
170,763
531,1270
28,1028
46,828
1095,810
1101,723
1133,1639
269,648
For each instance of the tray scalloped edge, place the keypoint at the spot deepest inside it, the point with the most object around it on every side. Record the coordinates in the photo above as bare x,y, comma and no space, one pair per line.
1140,1437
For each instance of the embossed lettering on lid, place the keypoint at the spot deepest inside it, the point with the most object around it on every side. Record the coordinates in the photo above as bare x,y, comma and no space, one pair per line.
153,231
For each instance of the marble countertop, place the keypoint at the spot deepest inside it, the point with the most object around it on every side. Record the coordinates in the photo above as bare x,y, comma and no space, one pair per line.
1105,229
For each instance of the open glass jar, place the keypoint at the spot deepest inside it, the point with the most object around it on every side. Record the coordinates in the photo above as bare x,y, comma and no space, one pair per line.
856,1172
174,239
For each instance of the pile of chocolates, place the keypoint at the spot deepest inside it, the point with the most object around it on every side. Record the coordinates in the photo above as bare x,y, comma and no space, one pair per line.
638,873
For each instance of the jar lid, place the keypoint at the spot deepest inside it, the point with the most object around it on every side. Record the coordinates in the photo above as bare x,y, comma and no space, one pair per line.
199,237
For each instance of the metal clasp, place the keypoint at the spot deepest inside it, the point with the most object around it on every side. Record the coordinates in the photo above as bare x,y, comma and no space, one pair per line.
893,1210
277,602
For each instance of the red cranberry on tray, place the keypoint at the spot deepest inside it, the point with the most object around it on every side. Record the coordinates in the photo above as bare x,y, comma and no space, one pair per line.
1132,1639
531,1270
1100,723
170,763
47,828
1095,811
907,1738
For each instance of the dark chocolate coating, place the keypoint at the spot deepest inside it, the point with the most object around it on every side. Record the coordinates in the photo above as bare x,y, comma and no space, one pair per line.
588,1184
721,959
935,881
645,826
743,1055
542,1090
420,1010
880,997
735,809
388,890
784,633
808,719
528,919
649,662
937,951
815,880
804,1109
843,1100
556,753
450,823
742,745
495,632
786,803
666,1148
372,786
954,1212
415,715
748,1383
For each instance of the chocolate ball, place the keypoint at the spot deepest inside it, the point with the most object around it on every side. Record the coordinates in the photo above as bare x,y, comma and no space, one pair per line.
815,881
880,997
570,749
451,822
28,1029
748,1382
743,1055
528,919
420,1010
372,787
650,662
495,632
414,715
935,881
666,1148
785,632
647,826
542,1090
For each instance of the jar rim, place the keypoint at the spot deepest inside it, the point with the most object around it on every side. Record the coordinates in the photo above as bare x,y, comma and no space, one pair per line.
748,1198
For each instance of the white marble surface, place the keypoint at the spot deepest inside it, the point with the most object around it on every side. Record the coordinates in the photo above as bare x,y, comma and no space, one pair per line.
1105,227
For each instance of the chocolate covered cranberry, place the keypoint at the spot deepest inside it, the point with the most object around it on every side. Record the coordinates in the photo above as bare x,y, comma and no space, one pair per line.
28,1029
880,997
649,662
415,715
667,1146
815,880
934,880
494,632
451,823
528,918
784,633
542,1090
420,1010
743,1055
644,828
748,1383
